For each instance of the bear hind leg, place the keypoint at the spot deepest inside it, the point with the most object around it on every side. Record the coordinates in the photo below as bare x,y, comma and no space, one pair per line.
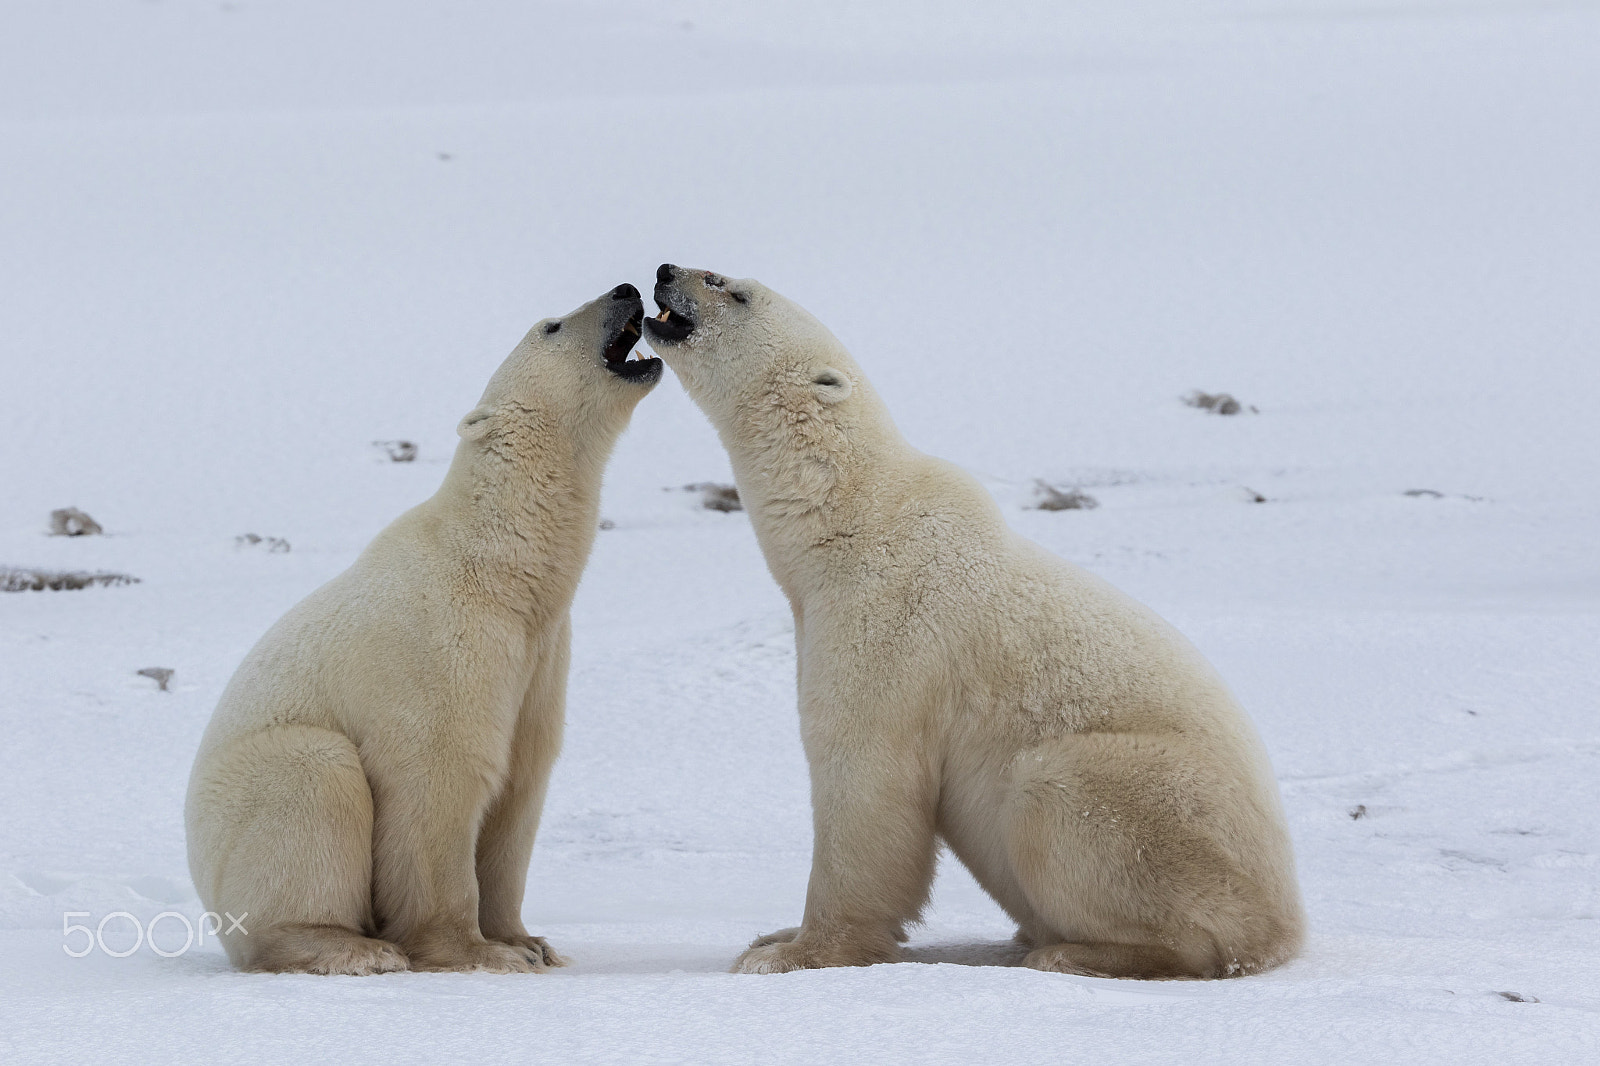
281,839
1143,862
1143,961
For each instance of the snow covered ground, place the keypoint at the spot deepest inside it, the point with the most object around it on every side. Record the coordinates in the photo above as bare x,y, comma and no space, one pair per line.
244,240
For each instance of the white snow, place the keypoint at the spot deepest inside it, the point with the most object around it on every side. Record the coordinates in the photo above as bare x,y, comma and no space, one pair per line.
245,240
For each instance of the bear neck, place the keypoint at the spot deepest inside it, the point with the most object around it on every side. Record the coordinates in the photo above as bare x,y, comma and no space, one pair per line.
807,491
521,517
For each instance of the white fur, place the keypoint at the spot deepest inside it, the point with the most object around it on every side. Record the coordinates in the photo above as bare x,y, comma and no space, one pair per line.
367,792
958,682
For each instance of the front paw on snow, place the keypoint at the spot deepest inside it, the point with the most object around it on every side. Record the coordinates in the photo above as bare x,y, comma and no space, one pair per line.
489,957
771,958
537,949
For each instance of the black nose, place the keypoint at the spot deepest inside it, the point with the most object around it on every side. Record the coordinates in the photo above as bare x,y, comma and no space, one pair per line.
624,292
665,273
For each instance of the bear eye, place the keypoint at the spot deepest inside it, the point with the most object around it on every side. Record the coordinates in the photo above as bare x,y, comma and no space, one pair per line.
739,296
551,327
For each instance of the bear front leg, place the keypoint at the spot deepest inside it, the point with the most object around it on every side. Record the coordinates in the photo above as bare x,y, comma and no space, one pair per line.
424,884
872,857
505,843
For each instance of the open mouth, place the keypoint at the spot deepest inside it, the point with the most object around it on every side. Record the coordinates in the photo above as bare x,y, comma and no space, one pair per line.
642,370
669,325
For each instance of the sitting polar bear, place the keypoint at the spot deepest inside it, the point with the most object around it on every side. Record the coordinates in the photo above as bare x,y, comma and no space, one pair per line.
959,682
366,795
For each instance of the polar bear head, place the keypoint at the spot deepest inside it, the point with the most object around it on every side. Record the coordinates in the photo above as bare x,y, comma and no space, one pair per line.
569,386
796,414
760,366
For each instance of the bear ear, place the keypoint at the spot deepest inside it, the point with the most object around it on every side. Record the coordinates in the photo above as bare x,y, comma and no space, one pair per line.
831,386
476,423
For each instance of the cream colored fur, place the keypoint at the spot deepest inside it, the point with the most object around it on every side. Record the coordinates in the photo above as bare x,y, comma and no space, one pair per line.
366,795
958,682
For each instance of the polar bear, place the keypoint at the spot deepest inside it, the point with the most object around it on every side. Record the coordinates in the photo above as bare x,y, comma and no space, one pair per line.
958,682
366,795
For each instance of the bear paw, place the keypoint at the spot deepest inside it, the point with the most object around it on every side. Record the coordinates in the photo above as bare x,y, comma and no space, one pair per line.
485,957
772,958
536,947
767,956
355,956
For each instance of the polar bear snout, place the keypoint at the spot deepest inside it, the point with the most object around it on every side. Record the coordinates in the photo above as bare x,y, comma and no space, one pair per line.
623,323
678,317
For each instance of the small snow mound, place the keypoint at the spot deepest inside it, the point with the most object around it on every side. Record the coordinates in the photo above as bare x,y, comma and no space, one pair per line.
398,451
21,579
252,540
1054,499
1218,403
717,497
71,522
